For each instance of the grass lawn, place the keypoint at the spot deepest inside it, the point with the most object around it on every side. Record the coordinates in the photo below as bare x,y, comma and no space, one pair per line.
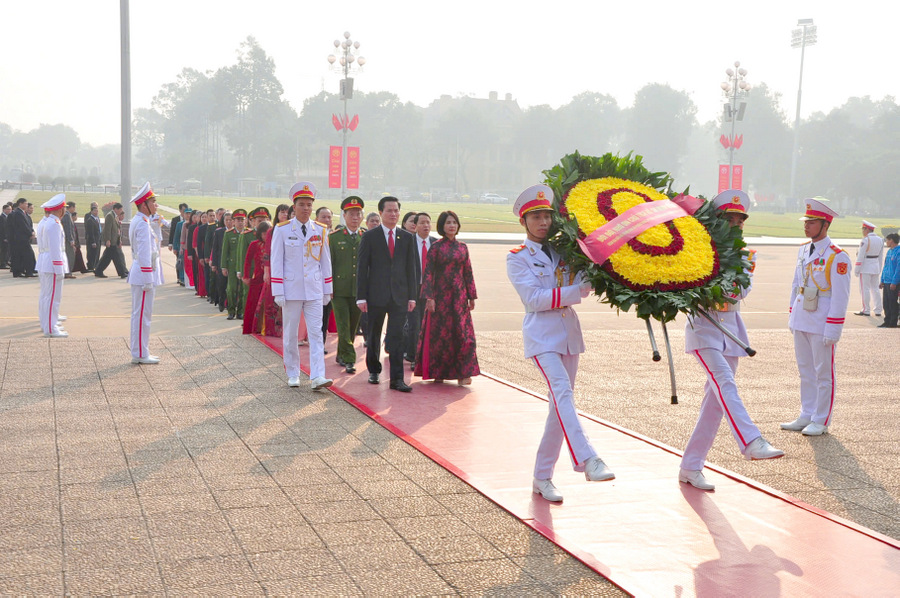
475,217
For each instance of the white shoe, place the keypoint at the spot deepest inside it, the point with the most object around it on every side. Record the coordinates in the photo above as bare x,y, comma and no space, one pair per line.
796,425
595,470
546,489
294,381
320,382
814,429
150,359
695,479
61,318
58,334
760,449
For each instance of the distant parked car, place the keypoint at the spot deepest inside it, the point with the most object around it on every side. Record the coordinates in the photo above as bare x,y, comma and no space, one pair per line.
493,198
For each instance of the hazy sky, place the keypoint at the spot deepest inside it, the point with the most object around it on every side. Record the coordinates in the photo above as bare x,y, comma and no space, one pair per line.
60,59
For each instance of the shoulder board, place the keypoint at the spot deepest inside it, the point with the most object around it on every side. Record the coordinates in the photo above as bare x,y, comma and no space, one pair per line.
836,249
319,223
517,249
283,223
339,227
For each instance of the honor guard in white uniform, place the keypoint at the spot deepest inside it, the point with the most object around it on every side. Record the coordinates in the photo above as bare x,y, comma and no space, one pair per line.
300,266
718,356
820,293
158,222
52,265
548,290
869,260
145,274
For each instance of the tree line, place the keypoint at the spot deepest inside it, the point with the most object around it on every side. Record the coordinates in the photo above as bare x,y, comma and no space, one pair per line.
224,127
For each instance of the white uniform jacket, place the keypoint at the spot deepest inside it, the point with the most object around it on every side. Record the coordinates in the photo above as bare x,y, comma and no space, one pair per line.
547,289
828,318
300,266
870,257
145,267
51,242
700,333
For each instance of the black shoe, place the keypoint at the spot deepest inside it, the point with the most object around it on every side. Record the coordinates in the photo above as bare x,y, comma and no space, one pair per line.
861,313
350,368
340,361
409,358
373,378
100,275
221,308
401,386
124,276
230,317
886,325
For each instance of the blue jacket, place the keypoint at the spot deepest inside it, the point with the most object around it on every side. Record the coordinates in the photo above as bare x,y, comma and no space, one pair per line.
891,272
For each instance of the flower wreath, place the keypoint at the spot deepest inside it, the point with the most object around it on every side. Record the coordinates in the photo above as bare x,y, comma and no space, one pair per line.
689,263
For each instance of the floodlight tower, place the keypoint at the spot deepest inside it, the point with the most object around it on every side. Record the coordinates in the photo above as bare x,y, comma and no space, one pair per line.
800,38
347,54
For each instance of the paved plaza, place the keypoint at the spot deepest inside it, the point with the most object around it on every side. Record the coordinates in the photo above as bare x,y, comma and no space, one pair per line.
207,474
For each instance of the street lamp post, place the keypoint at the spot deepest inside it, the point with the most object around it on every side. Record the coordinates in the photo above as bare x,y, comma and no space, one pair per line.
347,54
800,38
735,89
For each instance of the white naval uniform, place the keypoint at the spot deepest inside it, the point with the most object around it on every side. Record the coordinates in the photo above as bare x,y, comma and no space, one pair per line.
552,336
718,355
145,272
300,267
157,222
869,260
815,359
52,266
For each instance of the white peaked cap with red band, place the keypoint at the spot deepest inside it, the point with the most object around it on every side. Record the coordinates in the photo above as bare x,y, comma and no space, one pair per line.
868,224
303,189
143,195
54,203
536,197
817,209
732,200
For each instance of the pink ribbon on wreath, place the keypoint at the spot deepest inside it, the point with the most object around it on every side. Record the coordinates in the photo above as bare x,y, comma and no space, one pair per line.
604,241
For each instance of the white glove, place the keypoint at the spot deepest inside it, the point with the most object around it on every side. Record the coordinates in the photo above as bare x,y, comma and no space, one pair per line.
147,287
279,300
585,289
829,341
326,299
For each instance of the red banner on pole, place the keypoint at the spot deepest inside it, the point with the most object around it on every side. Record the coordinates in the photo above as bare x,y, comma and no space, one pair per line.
334,166
352,168
723,177
737,176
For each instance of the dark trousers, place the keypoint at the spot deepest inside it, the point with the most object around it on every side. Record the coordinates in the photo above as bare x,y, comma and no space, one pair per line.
411,332
21,260
4,253
326,316
93,256
891,308
113,254
393,341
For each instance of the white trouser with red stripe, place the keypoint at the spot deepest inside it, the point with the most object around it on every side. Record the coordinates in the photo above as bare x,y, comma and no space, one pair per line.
720,399
562,421
312,312
48,301
141,314
868,288
815,360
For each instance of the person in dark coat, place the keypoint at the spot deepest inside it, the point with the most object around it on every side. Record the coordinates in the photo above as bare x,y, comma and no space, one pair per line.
112,241
92,236
20,232
68,225
4,242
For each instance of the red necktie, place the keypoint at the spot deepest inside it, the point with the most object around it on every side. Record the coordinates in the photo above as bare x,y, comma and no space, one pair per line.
424,255
391,243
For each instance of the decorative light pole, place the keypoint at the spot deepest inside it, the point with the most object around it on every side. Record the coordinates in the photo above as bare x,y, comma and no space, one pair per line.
347,51
735,89
800,38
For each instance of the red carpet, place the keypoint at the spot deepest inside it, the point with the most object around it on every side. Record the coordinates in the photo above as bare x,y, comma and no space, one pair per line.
644,531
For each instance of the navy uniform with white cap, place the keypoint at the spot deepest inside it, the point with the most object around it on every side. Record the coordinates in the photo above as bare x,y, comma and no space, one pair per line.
820,293
52,265
552,335
718,355
145,274
869,260
300,266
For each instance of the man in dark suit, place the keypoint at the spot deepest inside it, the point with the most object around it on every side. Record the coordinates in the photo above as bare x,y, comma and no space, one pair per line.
92,235
4,242
386,286
113,242
424,240
68,225
19,232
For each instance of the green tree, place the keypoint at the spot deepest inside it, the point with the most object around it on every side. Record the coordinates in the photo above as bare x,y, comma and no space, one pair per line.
659,125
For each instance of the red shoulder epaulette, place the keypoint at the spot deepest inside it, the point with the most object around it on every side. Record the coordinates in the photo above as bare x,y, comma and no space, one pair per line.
283,223
835,248
517,249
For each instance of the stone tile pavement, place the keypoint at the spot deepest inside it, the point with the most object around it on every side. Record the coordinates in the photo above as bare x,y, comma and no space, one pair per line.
207,474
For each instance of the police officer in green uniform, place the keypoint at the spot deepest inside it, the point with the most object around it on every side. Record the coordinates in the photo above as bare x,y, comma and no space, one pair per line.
233,262
247,237
344,247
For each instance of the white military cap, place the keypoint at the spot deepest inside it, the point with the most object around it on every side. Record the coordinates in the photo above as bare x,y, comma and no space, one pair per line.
868,224
734,201
536,197
303,189
817,209
54,203
143,195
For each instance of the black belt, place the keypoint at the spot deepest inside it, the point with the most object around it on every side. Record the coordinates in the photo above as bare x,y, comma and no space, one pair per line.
871,257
